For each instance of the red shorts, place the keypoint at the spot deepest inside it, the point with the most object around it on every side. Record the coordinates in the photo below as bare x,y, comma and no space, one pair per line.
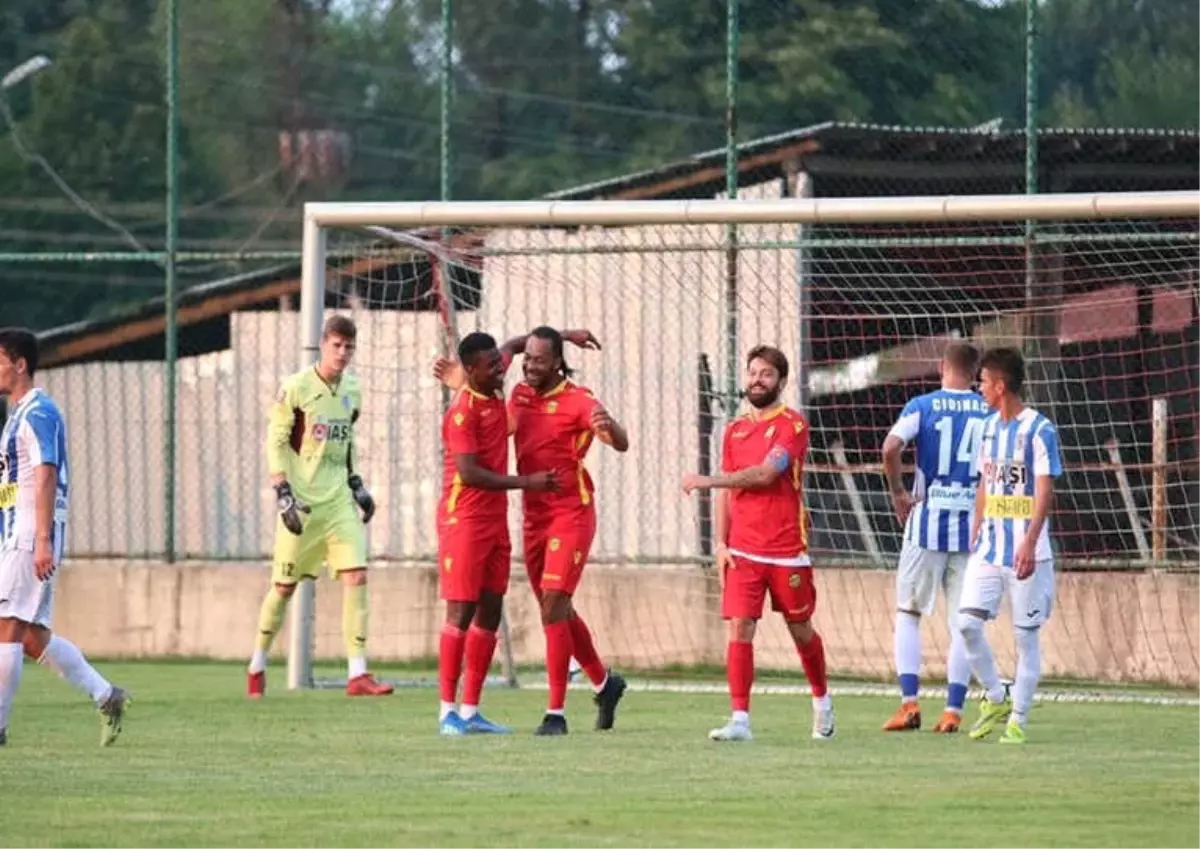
792,590
474,557
556,550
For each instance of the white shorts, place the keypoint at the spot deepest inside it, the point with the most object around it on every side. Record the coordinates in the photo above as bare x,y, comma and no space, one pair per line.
921,572
1032,599
22,596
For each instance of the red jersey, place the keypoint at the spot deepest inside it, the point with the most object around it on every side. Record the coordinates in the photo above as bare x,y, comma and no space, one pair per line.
554,431
768,522
474,424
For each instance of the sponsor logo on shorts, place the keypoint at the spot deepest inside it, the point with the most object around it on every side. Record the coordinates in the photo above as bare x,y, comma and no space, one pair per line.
578,557
794,581
447,563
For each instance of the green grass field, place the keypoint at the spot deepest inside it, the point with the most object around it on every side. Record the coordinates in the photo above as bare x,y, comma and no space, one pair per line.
198,765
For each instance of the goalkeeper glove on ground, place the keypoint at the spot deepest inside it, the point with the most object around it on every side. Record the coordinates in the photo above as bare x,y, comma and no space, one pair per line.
362,498
290,508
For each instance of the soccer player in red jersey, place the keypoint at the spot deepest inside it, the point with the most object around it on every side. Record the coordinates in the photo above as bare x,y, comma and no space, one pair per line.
554,421
473,544
761,535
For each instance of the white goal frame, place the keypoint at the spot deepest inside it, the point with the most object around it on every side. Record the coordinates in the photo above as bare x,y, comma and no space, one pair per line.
318,217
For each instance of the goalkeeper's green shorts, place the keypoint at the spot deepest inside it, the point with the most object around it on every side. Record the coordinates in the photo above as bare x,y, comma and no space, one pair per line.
333,534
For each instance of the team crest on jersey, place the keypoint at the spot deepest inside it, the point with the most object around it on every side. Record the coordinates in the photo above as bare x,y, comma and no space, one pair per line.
458,419
798,426
552,407
555,543
346,402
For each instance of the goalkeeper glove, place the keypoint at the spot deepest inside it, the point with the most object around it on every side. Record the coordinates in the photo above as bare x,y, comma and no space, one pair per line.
290,508
362,497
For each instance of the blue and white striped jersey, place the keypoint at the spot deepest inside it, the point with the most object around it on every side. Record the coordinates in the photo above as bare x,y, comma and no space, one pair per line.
34,435
946,426
1012,456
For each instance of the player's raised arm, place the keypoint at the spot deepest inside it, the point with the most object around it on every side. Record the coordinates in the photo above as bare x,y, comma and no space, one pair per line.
607,429
449,373
579,338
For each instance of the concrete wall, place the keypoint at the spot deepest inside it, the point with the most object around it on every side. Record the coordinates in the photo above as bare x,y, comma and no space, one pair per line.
1106,626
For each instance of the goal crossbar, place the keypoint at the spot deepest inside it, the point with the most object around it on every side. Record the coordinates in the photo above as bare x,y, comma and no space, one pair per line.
864,210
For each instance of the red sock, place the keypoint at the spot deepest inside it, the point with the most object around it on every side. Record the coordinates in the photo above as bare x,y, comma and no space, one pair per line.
812,655
450,661
585,651
739,668
481,645
558,662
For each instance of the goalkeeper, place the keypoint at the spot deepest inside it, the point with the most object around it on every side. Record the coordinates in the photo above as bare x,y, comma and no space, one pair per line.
319,494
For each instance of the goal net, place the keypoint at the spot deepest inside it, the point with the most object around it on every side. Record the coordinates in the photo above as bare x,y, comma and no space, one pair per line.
1099,291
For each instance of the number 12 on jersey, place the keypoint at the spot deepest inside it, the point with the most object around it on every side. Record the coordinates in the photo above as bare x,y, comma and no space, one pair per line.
968,444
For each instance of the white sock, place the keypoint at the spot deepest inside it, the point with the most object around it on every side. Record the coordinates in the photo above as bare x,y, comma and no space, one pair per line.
65,658
823,703
908,647
12,659
980,655
258,662
356,666
468,711
445,710
556,712
1029,672
741,717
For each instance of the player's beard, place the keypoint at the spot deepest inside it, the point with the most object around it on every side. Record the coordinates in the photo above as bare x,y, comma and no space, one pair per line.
764,399
540,383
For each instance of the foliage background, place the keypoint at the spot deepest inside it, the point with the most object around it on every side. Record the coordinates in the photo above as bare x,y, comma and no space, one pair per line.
547,94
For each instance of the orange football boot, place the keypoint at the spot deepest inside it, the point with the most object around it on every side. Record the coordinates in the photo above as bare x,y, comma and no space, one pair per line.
948,724
906,718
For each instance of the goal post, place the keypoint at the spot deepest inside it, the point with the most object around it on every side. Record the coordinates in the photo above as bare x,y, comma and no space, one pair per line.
861,294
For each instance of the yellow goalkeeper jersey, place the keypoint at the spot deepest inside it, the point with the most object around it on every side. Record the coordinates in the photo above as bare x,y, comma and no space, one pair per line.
310,435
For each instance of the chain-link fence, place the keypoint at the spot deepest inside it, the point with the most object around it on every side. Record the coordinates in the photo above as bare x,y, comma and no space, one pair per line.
167,148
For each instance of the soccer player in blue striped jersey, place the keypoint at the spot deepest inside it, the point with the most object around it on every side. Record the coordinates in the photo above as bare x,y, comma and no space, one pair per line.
33,528
1019,459
945,426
